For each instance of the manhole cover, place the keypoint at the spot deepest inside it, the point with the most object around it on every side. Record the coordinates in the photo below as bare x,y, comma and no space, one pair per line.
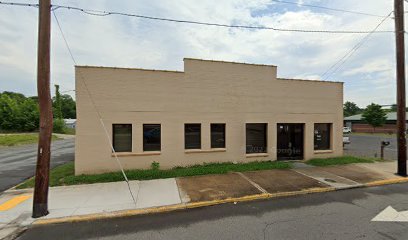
329,180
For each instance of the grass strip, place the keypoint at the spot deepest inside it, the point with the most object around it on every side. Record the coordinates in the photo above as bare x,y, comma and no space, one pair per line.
340,161
20,138
64,174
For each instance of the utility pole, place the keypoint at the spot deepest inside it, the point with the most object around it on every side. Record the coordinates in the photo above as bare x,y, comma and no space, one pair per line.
40,203
401,118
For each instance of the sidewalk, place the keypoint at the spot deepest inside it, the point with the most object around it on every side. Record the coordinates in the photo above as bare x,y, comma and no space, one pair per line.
87,202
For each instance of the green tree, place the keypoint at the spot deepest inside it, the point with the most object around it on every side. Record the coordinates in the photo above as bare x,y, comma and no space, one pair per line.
57,104
8,113
18,97
68,106
393,108
18,113
28,116
374,115
350,108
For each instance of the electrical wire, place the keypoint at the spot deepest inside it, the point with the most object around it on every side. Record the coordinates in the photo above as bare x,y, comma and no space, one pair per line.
336,66
20,4
107,13
96,109
251,27
278,1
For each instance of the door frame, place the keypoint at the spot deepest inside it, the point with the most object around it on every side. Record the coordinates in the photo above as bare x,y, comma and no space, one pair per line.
302,155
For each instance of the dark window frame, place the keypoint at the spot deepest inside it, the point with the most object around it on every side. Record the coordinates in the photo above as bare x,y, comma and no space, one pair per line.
131,136
329,138
143,137
211,135
265,139
185,139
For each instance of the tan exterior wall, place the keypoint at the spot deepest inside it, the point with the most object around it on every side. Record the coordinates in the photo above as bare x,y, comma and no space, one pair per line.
206,92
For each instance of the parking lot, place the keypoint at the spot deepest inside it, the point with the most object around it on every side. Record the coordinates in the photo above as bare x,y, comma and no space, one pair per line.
367,145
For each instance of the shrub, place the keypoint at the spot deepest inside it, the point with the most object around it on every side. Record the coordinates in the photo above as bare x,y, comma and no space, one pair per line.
58,126
155,166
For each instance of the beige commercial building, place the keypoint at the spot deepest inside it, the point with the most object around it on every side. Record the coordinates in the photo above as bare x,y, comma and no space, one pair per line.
213,111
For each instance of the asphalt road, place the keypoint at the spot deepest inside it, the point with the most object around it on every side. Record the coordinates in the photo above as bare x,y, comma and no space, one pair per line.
18,163
342,214
369,146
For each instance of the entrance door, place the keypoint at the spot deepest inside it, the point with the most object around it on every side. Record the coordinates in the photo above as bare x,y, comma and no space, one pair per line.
290,141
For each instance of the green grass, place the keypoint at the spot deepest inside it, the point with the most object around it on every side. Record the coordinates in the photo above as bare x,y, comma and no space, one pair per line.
69,131
340,160
64,174
56,175
20,138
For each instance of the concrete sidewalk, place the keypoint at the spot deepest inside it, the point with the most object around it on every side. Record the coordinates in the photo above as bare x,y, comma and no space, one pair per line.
87,202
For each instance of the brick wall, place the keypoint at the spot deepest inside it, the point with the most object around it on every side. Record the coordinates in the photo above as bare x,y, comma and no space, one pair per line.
366,128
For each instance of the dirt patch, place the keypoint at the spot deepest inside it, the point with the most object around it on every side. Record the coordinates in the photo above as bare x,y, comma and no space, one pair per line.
355,173
274,181
215,187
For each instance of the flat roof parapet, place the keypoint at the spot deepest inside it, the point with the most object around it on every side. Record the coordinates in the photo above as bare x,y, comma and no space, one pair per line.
232,62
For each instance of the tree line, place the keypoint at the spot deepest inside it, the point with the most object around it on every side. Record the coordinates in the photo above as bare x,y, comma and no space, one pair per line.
19,113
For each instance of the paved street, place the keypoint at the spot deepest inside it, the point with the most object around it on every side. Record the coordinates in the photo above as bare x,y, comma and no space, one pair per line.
18,163
333,215
369,146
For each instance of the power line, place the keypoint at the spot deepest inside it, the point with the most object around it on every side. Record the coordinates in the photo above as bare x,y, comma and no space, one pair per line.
328,8
107,13
20,4
278,1
96,109
336,66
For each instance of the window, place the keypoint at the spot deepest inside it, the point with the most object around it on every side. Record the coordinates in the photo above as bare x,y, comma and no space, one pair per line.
192,136
151,137
322,136
217,135
256,137
122,137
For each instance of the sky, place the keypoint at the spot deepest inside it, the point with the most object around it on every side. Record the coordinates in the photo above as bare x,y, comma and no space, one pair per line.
368,75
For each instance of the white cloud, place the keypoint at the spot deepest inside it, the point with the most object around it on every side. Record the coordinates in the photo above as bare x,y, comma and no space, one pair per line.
371,67
131,42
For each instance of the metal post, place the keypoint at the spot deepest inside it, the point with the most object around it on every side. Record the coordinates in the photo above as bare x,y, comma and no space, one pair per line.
40,203
382,152
401,118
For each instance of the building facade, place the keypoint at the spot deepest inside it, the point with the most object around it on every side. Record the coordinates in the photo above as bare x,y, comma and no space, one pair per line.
213,111
357,124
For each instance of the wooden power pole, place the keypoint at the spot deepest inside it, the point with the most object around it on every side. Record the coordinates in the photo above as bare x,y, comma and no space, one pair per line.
401,118
40,203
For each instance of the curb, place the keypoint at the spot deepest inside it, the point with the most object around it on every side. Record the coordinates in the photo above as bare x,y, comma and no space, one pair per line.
182,206
170,208
386,182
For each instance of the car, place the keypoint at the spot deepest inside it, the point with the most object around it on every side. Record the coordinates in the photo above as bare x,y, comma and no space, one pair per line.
346,130
346,140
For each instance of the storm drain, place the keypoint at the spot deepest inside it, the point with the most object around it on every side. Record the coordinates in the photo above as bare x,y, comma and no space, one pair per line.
329,180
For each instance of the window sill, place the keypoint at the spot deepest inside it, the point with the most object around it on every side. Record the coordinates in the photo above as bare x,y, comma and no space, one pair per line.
205,151
128,154
323,151
250,155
